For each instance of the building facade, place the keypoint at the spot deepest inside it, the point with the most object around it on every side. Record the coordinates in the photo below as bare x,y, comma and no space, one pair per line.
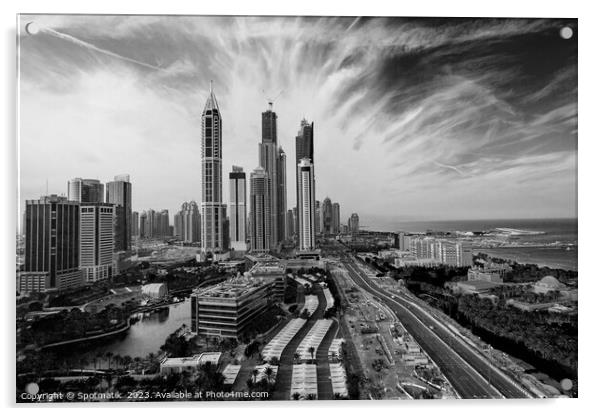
238,209
306,197
260,211
228,309
119,193
187,223
51,244
96,241
354,223
85,190
281,195
327,216
336,218
135,224
212,239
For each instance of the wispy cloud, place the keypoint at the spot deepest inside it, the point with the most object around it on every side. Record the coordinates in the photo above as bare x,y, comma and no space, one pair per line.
431,108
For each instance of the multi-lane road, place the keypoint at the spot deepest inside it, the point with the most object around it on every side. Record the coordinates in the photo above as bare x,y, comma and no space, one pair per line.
471,374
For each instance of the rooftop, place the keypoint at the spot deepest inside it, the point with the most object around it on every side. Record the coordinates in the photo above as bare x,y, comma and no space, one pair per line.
233,288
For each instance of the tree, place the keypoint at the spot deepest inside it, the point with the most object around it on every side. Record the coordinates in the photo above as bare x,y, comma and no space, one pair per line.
254,373
296,357
269,372
311,350
296,396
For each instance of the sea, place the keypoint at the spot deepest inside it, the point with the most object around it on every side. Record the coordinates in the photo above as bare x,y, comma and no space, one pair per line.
556,248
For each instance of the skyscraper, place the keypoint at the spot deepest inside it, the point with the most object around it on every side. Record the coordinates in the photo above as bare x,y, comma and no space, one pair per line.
306,197
336,218
304,142
327,216
281,195
135,224
119,193
260,214
151,223
354,223
268,160
211,176
163,224
295,219
187,223
290,224
144,230
96,241
51,245
304,148
238,209
319,223
85,190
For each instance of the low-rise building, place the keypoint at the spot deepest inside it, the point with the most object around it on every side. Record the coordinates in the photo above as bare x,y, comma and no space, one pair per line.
228,309
154,290
190,364
475,286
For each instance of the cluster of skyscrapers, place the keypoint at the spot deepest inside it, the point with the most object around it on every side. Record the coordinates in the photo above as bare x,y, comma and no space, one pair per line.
71,240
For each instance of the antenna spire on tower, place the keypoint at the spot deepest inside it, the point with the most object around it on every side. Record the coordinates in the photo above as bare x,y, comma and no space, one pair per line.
211,86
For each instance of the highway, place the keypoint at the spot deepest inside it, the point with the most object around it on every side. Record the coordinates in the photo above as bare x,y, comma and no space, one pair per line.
469,373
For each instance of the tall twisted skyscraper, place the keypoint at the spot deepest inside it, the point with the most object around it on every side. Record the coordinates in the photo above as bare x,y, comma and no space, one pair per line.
212,238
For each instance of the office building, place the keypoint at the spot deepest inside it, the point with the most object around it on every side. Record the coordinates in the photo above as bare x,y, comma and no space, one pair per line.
336,218
51,245
319,223
238,209
119,193
135,224
85,190
144,225
212,239
304,149
228,310
327,217
260,211
295,220
281,195
269,161
274,271
96,241
290,224
306,198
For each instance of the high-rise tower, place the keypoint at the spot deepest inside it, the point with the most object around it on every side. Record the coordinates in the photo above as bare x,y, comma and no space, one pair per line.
211,176
336,218
304,149
238,209
51,245
260,206
119,193
327,216
281,223
268,160
306,195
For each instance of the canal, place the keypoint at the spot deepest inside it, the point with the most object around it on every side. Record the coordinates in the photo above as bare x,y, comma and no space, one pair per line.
144,336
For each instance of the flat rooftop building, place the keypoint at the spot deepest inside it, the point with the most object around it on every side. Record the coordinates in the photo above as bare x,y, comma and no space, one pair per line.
228,309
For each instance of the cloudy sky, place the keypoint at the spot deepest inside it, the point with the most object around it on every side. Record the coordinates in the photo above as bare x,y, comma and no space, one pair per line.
414,118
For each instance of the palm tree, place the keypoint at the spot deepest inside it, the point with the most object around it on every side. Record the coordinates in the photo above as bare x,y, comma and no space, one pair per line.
269,372
296,357
311,350
296,396
255,372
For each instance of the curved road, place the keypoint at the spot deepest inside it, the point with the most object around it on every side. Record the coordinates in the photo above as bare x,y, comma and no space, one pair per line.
469,373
